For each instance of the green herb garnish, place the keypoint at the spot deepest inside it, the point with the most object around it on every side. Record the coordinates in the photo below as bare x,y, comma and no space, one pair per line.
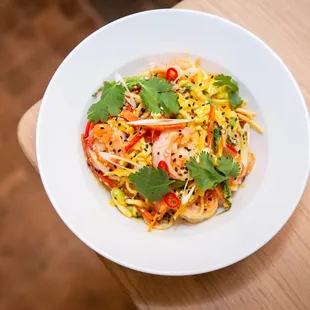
157,96
208,176
111,103
152,183
233,95
235,99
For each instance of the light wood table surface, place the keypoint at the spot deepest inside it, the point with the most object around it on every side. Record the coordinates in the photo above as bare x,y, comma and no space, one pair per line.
278,275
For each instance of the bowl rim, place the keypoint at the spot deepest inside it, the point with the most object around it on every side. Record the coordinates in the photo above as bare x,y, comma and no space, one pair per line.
121,261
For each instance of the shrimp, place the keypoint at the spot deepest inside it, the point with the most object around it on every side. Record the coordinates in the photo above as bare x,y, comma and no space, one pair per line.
201,210
104,138
168,148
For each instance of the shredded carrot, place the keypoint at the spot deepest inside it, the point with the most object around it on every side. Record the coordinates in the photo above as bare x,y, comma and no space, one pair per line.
158,214
210,127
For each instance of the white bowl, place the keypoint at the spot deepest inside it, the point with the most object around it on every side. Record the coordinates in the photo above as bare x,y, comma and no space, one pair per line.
272,190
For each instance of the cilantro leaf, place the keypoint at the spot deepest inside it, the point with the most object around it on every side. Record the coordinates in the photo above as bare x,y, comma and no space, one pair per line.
228,167
98,111
152,183
149,95
169,102
204,172
111,102
235,99
206,175
225,80
157,96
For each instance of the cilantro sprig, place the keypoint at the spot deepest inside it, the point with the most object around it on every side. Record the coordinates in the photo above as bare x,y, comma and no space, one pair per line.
156,95
152,183
110,103
208,176
232,85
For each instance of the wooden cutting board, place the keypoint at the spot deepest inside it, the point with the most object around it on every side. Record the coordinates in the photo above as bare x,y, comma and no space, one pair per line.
278,275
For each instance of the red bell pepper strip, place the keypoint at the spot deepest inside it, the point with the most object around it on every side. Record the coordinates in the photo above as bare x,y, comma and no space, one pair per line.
172,200
89,126
156,135
148,137
163,165
231,148
171,74
134,140
151,136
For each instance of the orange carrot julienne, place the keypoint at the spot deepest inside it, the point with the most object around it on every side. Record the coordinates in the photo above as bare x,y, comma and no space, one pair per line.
210,127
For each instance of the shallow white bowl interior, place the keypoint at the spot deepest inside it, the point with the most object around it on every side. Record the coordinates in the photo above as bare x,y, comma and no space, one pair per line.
259,210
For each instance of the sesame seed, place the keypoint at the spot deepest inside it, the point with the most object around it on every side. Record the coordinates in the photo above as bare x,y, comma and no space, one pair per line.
210,199
151,143
192,110
176,169
157,153
189,105
174,160
119,150
200,84
223,113
110,143
180,156
172,154
114,150
186,97
119,124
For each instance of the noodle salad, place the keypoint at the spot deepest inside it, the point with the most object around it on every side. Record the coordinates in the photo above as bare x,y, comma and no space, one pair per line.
172,142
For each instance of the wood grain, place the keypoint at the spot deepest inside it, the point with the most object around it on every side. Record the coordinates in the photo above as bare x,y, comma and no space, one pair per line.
278,275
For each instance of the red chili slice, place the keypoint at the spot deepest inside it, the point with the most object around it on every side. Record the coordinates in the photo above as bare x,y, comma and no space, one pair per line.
171,74
163,165
232,148
172,200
